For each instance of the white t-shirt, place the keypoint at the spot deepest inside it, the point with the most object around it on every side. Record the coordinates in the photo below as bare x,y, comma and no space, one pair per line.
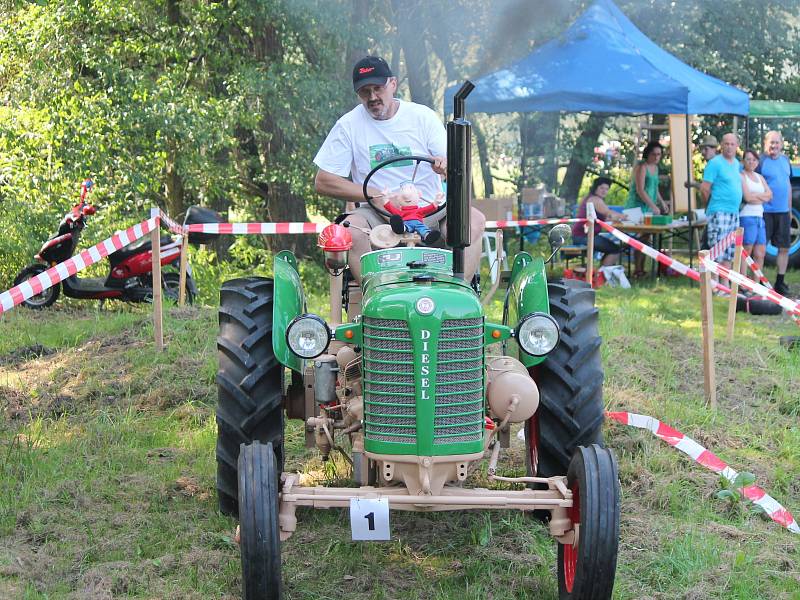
358,143
754,187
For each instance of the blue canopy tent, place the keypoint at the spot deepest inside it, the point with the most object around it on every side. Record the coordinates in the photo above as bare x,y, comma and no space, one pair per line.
602,62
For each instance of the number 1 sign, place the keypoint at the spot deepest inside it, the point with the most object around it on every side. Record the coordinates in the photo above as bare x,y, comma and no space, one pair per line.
369,519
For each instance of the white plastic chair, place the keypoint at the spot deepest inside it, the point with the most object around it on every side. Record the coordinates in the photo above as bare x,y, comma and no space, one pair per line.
490,253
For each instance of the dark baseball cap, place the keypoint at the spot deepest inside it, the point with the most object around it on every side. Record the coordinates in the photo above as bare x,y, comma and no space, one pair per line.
370,70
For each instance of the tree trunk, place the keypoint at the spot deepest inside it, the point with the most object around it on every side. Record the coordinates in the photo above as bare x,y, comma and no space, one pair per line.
267,141
537,132
174,16
654,134
357,42
174,185
409,16
283,207
394,64
483,157
582,155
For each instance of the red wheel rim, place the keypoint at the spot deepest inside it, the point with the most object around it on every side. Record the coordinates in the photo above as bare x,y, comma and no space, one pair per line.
570,554
532,435
532,430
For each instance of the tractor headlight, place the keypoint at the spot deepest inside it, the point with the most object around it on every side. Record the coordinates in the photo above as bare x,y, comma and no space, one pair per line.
308,336
537,334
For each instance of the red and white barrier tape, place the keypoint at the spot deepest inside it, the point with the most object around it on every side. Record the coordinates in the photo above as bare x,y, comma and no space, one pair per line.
756,271
47,279
710,461
791,306
284,228
722,245
675,265
523,223
263,228
172,225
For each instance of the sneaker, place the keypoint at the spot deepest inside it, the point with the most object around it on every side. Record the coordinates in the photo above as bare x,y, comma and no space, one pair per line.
782,289
721,293
432,237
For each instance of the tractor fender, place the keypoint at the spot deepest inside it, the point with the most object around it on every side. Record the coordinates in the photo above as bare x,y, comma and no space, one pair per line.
289,302
527,293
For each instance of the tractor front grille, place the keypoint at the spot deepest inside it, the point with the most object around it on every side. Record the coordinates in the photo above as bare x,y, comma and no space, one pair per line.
459,382
389,394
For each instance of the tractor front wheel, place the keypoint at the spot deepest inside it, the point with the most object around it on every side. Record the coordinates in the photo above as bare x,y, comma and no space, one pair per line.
259,544
249,381
570,383
586,568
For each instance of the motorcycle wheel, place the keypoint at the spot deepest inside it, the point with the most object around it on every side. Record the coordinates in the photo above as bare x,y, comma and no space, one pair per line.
171,284
47,297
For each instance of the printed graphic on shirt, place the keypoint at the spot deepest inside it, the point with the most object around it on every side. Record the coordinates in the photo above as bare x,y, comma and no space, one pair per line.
381,152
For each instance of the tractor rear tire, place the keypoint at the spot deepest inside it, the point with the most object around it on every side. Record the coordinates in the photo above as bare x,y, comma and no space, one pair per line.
570,383
249,381
259,533
586,569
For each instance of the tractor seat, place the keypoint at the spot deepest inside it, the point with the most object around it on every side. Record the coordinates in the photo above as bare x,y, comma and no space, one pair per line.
141,245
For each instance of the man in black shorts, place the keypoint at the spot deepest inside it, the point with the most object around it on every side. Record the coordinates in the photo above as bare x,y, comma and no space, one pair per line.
775,168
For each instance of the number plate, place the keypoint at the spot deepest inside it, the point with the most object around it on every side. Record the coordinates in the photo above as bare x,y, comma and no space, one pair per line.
369,518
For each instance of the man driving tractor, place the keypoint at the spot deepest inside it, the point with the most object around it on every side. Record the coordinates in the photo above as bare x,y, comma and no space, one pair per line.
379,128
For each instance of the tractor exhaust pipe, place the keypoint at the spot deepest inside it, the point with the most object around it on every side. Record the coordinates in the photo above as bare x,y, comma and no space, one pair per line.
459,179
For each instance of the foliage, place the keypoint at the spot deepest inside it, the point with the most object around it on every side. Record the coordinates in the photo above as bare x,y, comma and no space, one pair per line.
731,490
174,102
166,103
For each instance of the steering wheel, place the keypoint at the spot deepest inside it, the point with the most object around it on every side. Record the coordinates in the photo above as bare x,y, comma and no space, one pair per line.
386,163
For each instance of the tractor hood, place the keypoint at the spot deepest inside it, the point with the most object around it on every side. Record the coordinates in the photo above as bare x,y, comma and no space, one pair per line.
409,267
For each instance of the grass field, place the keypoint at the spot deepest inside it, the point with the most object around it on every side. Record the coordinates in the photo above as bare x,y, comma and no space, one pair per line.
107,469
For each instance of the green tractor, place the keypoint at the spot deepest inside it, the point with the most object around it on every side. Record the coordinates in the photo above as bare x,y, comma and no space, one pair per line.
423,388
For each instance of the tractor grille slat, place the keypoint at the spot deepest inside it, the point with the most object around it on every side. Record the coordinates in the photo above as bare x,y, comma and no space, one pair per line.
460,341
389,382
459,370
389,386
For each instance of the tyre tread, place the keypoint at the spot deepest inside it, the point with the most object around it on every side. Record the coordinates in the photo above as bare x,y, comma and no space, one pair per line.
571,410
249,381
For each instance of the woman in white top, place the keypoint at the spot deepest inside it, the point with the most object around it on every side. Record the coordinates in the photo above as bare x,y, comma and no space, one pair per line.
756,192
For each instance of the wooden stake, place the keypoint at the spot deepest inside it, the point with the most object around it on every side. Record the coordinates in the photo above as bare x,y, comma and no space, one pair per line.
155,243
184,263
737,264
709,374
591,216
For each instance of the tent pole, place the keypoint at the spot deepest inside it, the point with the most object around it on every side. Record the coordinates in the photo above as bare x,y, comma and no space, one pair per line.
746,133
688,189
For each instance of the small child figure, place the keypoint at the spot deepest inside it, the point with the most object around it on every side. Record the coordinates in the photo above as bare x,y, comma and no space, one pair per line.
407,215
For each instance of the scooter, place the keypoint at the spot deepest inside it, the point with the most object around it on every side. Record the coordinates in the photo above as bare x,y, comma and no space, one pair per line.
130,278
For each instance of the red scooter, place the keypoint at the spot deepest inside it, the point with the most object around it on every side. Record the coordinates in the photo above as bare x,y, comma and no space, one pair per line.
130,278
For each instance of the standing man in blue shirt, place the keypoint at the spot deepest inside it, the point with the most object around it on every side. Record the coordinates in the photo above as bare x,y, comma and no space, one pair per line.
775,168
722,189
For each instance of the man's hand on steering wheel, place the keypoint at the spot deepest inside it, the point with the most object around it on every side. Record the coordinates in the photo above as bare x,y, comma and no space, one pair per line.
439,165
